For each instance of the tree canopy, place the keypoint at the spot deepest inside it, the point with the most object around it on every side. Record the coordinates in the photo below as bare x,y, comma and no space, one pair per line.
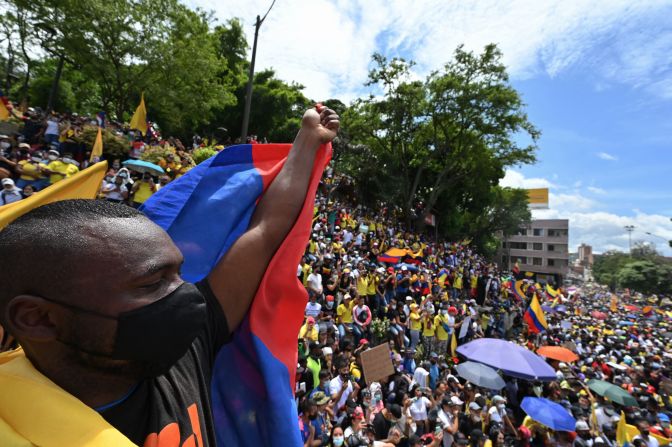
440,145
644,270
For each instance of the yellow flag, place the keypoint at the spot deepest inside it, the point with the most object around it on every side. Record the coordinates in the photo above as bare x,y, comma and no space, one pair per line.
621,431
139,120
453,345
83,185
97,146
4,111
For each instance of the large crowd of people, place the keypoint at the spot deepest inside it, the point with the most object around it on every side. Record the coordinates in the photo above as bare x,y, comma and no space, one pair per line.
48,148
358,301
436,293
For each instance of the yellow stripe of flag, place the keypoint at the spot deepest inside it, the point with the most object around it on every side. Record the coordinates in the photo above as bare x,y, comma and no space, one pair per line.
83,185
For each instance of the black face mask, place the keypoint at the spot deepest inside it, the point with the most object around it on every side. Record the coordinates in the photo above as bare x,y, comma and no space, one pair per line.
157,334
312,417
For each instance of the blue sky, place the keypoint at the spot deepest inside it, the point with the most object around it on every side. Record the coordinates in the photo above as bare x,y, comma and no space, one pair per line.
596,77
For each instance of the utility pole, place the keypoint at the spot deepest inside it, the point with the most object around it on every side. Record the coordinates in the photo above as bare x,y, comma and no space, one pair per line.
248,93
630,229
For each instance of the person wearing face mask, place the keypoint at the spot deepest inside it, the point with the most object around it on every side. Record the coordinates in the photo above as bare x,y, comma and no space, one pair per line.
583,436
9,193
337,438
115,190
31,172
56,169
306,427
341,388
28,191
472,419
72,167
126,357
644,435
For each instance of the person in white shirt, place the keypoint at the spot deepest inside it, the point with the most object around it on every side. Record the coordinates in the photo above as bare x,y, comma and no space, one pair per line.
419,405
315,282
313,308
450,408
643,427
341,387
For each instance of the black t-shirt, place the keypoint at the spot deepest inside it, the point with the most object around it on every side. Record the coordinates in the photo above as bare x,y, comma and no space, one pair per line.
176,406
392,314
381,426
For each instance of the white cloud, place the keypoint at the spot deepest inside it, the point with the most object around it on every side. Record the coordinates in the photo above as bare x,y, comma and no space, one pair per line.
514,179
326,45
607,156
588,221
596,190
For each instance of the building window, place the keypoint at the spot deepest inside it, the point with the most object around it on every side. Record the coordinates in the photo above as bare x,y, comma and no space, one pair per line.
522,260
557,233
503,244
518,245
551,247
538,232
551,262
521,232
536,261
538,246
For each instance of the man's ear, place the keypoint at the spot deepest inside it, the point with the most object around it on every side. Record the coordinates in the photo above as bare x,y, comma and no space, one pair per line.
30,317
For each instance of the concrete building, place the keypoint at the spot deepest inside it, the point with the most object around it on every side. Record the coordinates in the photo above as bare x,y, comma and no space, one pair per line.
586,255
541,248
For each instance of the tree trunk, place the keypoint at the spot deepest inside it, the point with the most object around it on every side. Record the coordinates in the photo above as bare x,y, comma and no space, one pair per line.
54,86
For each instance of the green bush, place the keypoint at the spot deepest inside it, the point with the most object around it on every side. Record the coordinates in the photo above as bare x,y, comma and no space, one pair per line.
203,153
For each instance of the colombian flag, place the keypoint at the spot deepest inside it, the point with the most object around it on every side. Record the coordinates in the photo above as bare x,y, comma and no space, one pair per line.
204,212
534,317
518,290
551,292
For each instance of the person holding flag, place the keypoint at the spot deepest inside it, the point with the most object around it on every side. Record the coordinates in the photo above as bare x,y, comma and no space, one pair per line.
126,358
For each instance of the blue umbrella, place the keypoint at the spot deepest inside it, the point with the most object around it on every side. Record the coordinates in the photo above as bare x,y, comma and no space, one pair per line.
561,308
480,375
625,323
547,308
547,412
512,359
143,166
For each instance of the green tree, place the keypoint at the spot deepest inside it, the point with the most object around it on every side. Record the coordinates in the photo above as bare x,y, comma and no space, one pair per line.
440,145
646,276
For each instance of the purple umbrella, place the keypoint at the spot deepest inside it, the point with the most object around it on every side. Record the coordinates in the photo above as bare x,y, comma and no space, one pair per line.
512,359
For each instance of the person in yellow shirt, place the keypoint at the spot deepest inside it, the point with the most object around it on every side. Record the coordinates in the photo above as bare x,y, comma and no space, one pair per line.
309,331
473,284
457,285
441,326
72,167
362,282
344,315
371,292
143,190
416,325
56,169
30,172
428,333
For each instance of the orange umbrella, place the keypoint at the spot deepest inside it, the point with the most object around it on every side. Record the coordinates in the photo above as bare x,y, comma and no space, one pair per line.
558,353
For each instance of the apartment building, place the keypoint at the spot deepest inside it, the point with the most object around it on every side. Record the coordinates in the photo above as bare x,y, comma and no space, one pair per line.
541,247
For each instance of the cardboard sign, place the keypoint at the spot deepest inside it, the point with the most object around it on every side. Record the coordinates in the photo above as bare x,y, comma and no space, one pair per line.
465,327
377,363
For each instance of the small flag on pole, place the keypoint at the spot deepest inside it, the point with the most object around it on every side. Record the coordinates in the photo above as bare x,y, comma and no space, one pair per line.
97,150
453,345
139,120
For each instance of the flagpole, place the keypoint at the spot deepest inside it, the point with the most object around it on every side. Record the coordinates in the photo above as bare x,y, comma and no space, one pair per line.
250,79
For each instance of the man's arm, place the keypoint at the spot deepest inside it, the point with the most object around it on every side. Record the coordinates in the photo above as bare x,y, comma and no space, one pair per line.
235,279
